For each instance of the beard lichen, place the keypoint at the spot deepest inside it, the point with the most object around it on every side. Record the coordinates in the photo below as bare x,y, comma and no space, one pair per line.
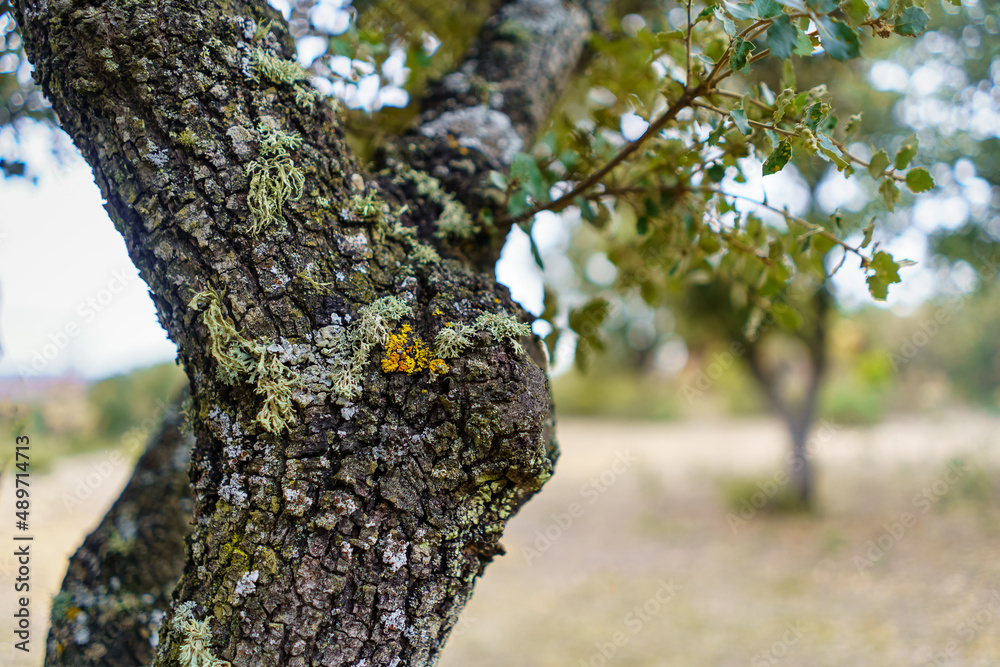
277,69
454,220
248,361
196,637
352,347
456,337
274,177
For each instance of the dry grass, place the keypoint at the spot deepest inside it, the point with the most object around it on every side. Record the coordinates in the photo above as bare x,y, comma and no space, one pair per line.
788,584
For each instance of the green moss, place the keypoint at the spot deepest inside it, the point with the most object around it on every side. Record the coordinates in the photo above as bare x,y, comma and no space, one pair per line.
187,139
242,360
62,602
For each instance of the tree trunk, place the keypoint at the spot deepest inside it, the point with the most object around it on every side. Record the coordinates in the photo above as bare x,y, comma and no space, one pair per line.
798,417
118,587
366,415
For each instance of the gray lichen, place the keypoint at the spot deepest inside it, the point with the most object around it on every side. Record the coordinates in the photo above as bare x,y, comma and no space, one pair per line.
486,130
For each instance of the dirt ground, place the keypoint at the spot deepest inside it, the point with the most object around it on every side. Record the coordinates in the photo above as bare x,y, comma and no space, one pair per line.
631,557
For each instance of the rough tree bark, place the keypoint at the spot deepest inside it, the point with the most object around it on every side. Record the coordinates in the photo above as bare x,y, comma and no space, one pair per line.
366,418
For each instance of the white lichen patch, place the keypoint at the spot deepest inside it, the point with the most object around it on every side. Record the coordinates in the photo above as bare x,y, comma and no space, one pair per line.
231,490
480,128
394,554
297,503
394,621
246,585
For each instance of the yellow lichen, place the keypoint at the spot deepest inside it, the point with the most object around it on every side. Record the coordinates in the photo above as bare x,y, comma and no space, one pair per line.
437,367
403,355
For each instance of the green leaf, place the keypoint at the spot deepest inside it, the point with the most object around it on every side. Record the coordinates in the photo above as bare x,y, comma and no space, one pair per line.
766,8
782,102
741,12
706,14
919,180
839,39
642,225
587,319
907,151
869,230
739,117
518,203
890,193
739,61
853,125
778,158
879,161
709,243
856,10
886,272
665,38
822,6
782,37
525,170
787,74
911,23
716,172
728,26
814,115
803,47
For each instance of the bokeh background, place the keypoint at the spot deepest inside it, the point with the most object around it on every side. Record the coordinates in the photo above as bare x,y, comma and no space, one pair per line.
670,534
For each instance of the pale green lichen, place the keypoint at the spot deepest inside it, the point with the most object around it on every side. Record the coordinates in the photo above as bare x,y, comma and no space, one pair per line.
187,139
369,207
306,97
455,338
277,70
421,253
274,178
196,637
454,220
245,360
62,602
353,346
